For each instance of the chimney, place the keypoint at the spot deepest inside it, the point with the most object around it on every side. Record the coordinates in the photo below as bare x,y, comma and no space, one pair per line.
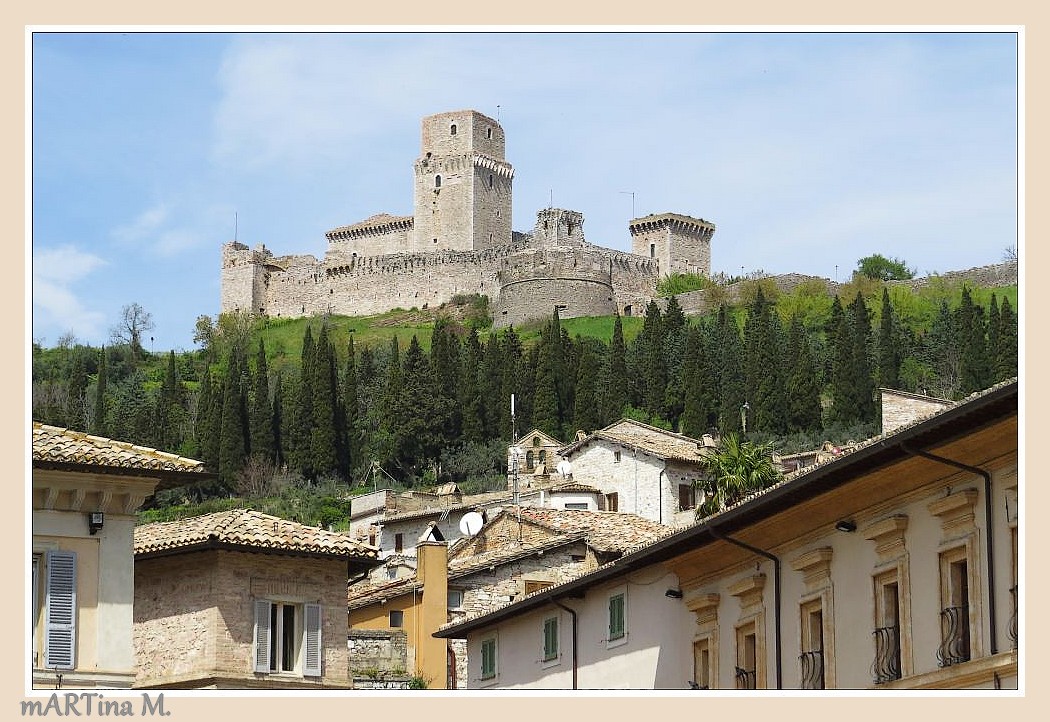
432,574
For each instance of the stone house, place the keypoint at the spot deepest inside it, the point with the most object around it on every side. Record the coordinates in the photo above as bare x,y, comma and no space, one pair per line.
641,469
538,460
891,567
521,551
242,600
85,492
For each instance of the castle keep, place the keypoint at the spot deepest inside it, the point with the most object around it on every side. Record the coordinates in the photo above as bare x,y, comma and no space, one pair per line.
459,241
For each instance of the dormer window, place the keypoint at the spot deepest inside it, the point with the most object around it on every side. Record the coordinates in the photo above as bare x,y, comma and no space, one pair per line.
452,130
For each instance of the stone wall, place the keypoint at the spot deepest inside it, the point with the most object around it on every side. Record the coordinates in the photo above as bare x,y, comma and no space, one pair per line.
680,243
195,615
374,651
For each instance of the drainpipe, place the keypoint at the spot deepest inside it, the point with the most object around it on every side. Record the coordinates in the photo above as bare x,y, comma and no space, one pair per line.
993,643
776,592
575,657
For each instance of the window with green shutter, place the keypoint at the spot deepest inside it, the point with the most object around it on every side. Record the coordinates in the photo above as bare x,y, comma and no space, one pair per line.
550,639
616,616
488,658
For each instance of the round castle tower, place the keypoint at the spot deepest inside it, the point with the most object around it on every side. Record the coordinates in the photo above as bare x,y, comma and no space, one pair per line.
557,270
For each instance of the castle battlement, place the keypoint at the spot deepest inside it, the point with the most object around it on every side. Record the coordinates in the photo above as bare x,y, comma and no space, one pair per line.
459,241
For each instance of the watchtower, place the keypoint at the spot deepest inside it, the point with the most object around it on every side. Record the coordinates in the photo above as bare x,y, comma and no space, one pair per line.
681,244
462,184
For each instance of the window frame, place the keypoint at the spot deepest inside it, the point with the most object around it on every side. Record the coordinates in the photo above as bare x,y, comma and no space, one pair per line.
400,618
268,643
488,662
551,641
616,611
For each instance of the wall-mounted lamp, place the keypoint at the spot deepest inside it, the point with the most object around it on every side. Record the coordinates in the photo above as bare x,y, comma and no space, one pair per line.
846,525
673,593
95,521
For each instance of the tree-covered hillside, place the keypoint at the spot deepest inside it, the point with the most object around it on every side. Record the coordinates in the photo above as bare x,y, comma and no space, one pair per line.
427,399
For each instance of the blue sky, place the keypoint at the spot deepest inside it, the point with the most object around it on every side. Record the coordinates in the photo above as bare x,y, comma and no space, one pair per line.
807,150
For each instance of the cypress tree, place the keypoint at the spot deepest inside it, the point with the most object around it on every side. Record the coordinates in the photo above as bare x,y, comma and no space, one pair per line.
864,384
491,383
513,373
1006,350
889,365
98,426
974,366
763,354
546,415
843,400
653,369
727,347
675,330
324,391
232,447
994,319
279,420
301,412
586,413
352,445
445,363
699,406
260,414
803,382
471,399
615,387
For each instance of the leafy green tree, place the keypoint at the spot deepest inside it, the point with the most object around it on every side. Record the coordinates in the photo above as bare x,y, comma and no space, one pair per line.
736,469
880,268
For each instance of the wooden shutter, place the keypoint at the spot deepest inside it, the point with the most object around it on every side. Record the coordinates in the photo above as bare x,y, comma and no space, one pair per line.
312,656
262,636
61,618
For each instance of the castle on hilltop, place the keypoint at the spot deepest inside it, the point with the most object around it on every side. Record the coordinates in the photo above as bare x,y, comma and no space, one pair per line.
459,240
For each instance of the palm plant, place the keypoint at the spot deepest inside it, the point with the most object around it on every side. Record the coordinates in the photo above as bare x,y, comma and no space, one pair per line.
737,469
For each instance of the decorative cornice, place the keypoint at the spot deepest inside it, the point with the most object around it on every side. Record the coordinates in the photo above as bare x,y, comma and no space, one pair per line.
888,535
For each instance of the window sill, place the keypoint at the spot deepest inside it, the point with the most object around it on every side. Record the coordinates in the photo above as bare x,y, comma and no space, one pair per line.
619,641
553,662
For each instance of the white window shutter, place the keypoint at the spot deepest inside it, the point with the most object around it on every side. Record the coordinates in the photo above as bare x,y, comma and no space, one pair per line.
262,636
312,655
60,624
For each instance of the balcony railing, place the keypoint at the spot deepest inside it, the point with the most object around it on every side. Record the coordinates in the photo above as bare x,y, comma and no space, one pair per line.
887,664
745,678
812,664
955,636
1012,631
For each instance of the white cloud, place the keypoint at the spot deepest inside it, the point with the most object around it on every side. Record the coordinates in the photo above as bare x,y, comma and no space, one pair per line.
57,307
144,227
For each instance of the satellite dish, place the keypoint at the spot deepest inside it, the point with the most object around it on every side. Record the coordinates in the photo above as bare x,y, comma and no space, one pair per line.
471,523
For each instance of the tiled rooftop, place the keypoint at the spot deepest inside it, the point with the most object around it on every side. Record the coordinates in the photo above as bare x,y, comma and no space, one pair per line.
650,439
606,531
247,528
52,444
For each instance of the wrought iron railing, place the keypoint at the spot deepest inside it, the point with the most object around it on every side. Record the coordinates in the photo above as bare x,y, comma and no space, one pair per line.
955,636
887,664
1012,631
745,678
812,664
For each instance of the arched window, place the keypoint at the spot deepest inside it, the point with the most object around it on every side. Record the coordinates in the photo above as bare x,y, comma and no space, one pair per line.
437,181
530,461
452,130
488,133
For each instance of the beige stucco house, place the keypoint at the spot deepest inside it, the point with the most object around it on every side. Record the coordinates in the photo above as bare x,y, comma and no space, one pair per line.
243,600
519,552
86,490
893,566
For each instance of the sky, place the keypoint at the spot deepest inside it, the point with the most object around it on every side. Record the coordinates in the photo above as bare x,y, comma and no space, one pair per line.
808,151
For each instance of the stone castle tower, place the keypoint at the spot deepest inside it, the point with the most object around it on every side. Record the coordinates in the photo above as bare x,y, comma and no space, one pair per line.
463,184
459,240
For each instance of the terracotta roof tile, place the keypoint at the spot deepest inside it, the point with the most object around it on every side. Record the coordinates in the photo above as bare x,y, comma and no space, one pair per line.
650,439
606,531
52,444
247,528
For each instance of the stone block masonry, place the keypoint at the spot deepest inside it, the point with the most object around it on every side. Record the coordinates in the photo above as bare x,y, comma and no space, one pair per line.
459,240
